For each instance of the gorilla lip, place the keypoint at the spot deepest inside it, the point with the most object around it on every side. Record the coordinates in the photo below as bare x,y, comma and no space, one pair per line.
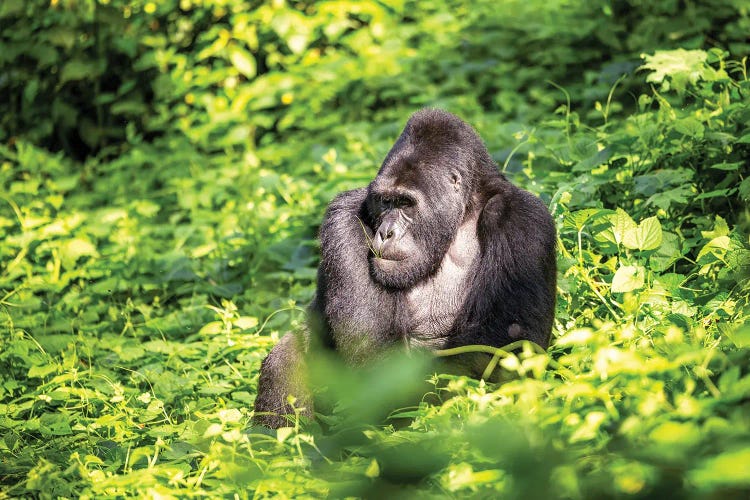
385,259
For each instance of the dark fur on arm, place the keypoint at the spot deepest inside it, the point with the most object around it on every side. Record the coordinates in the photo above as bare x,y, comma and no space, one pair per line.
283,373
347,301
514,296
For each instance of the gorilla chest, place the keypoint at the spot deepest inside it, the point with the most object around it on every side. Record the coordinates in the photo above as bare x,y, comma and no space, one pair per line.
430,309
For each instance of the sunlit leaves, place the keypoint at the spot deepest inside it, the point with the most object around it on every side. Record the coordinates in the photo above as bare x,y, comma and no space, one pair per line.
589,427
74,249
689,126
628,278
293,28
462,476
726,470
623,226
667,253
242,60
578,219
646,235
679,66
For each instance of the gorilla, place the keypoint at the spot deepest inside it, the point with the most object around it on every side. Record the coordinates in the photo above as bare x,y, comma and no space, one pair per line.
439,251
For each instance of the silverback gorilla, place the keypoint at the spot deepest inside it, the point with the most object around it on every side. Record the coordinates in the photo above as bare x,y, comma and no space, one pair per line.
439,251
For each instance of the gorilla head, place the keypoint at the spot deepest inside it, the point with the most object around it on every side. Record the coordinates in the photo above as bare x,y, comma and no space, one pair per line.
437,157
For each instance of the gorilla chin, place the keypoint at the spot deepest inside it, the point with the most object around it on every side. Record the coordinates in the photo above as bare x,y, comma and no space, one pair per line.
397,272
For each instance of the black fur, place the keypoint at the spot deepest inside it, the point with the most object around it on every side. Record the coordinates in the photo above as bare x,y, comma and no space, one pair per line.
439,251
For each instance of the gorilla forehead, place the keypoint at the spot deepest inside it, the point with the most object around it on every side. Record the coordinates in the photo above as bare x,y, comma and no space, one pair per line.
415,173
435,126
432,141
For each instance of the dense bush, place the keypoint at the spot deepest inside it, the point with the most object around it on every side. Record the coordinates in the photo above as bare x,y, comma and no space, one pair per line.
79,75
163,169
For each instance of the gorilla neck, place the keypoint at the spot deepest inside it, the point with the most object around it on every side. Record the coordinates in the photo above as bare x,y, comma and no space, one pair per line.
432,306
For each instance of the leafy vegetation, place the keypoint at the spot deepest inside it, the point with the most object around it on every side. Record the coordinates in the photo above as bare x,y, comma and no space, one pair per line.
163,169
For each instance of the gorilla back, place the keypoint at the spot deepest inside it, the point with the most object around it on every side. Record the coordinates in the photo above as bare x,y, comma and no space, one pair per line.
439,251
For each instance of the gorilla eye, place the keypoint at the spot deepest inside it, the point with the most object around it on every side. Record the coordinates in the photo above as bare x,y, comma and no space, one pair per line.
404,202
396,202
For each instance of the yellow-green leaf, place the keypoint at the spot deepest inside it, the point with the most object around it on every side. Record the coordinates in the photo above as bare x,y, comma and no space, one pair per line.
628,278
243,61
622,223
649,234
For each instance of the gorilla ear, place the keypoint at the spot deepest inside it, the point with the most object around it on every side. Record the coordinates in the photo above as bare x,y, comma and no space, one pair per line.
456,180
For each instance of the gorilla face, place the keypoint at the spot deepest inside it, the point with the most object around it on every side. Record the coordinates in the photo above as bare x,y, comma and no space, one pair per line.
414,209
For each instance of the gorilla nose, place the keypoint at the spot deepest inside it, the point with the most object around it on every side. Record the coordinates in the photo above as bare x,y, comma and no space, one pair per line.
384,235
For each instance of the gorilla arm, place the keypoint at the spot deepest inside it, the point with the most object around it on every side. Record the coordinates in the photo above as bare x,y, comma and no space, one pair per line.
350,311
515,296
283,373
352,318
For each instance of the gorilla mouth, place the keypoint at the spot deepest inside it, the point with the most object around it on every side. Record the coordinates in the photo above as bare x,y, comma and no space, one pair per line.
383,258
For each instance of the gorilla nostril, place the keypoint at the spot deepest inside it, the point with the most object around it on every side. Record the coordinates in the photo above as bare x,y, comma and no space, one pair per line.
385,234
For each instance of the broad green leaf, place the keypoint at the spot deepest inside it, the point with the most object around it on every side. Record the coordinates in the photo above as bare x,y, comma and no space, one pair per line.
717,248
689,126
676,434
246,322
649,234
668,252
590,427
373,470
575,337
129,107
578,219
721,228
645,236
622,223
628,278
212,328
680,65
716,193
740,337
294,29
61,36
10,8
213,430
74,249
283,433
55,424
42,371
679,195
744,189
462,476
78,69
728,469
728,166
230,415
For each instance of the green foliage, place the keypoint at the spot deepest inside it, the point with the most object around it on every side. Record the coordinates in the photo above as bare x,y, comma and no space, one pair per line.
163,169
